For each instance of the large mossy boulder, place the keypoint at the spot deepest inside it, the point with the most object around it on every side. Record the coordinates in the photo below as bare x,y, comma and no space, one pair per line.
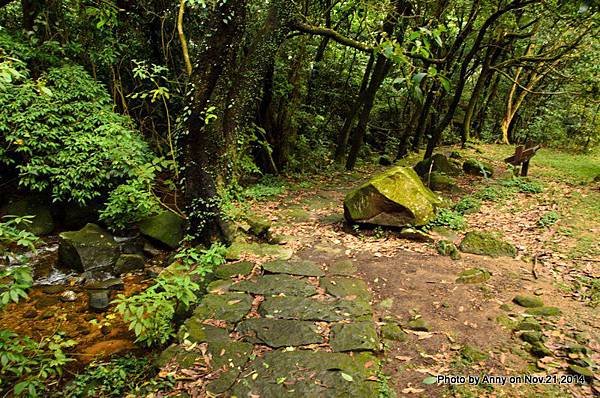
438,163
91,249
488,244
41,223
477,168
167,228
394,198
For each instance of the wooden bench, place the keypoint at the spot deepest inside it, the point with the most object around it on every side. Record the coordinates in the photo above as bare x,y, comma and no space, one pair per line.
522,156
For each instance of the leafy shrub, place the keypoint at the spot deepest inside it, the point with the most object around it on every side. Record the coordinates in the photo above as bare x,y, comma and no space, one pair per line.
13,233
492,194
63,136
448,218
134,200
548,219
467,205
523,185
14,283
150,314
118,377
27,365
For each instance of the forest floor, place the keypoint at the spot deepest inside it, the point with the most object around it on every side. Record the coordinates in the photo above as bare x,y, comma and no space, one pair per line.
470,329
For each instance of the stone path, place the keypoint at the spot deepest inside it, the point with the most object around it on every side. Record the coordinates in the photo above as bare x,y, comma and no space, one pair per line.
288,328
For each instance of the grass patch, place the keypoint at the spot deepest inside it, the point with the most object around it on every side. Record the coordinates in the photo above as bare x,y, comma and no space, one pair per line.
568,167
449,219
267,187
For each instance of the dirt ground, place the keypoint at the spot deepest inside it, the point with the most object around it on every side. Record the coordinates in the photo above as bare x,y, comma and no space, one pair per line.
469,325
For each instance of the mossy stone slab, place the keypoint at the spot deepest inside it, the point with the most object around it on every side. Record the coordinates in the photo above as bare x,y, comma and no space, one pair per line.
358,336
230,307
298,267
528,301
419,325
238,249
231,356
340,286
307,309
301,374
342,268
544,311
473,275
176,353
391,331
279,332
195,331
529,324
219,286
230,270
268,285
488,244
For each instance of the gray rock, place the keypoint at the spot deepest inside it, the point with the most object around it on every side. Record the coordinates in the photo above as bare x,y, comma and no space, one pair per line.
298,267
68,296
42,222
99,300
167,228
477,168
359,336
279,332
128,263
91,249
275,284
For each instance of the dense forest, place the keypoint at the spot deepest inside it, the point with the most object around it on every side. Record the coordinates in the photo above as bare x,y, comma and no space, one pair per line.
177,176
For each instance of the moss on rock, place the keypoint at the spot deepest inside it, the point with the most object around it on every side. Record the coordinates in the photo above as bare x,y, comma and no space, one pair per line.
485,243
396,198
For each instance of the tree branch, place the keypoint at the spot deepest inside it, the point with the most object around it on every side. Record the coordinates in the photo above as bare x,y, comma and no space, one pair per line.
332,34
5,2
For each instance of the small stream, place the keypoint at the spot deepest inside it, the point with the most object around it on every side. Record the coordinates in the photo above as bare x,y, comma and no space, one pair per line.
58,302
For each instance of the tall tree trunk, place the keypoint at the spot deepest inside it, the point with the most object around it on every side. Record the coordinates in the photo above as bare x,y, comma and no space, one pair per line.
484,75
203,144
380,71
344,134
225,83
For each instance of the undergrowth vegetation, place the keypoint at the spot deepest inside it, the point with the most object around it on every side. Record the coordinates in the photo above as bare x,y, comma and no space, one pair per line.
150,314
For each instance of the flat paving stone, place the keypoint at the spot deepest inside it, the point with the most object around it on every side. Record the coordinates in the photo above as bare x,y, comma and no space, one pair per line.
340,286
342,268
293,267
268,285
300,374
228,270
279,332
230,357
308,309
359,336
195,331
230,307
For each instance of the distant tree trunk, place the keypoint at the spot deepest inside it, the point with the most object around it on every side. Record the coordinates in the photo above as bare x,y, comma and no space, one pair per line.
491,54
30,9
422,121
344,135
381,69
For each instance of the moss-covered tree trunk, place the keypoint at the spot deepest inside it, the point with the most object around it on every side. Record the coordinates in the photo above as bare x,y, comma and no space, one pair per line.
225,83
